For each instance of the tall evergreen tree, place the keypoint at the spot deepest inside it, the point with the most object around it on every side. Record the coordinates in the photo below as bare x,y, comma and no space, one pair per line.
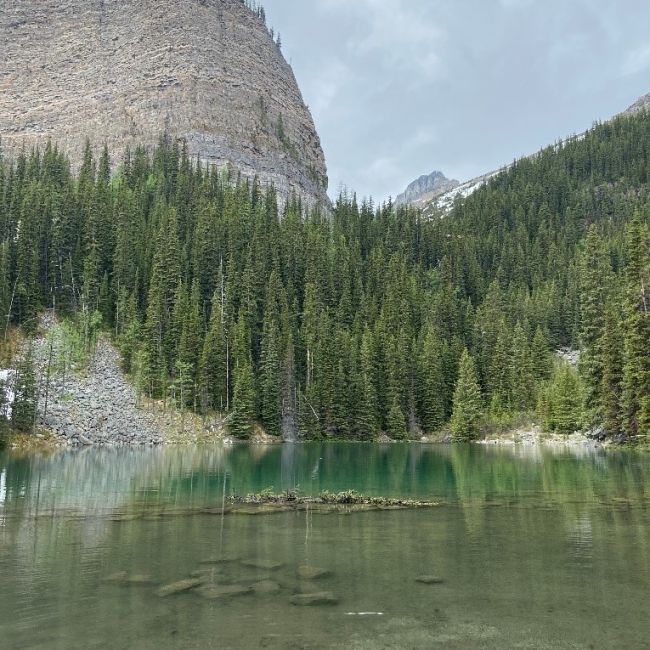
465,419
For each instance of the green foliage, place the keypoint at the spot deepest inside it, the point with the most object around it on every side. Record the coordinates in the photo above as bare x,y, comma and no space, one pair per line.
396,424
466,416
242,419
23,412
561,402
346,324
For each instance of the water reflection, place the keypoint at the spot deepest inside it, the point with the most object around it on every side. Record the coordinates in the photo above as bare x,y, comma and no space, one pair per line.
538,550
98,480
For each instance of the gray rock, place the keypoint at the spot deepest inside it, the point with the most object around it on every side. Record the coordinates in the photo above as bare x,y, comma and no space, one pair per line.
315,599
265,587
426,188
179,587
429,580
306,572
218,592
266,565
219,83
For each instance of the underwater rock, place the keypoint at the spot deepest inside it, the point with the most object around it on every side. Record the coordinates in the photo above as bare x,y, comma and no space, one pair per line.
265,587
429,580
265,565
217,592
311,600
179,587
306,572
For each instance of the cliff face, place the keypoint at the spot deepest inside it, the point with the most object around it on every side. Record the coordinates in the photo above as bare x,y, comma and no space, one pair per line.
426,188
125,71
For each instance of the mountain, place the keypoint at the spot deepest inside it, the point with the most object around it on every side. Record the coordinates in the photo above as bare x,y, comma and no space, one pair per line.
442,202
425,189
345,327
206,72
640,105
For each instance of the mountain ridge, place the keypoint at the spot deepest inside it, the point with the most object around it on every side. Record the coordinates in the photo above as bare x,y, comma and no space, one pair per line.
443,201
207,73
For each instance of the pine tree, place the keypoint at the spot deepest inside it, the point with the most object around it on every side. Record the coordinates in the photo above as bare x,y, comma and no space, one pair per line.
213,377
466,416
270,379
396,423
242,419
594,273
564,399
541,355
612,380
522,374
367,414
23,412
432,384
636,369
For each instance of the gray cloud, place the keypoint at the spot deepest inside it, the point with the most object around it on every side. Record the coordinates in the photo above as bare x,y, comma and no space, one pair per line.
401,87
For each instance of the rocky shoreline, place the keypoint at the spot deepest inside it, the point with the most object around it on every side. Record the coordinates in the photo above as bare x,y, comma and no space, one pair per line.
98,405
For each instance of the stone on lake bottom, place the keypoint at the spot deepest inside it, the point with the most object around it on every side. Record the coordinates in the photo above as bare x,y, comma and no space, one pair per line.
312,600
179,587
306,572
266,587
216,592
266,565
429,580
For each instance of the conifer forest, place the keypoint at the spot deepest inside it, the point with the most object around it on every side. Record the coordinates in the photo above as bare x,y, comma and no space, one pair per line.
362,320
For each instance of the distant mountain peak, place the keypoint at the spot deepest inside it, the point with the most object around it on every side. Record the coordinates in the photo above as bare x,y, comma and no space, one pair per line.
426,188
641,104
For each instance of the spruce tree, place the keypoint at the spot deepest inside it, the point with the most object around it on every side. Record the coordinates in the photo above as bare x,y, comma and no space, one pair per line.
636,369
23,411
396,423
242,419
612,380
432,384
594,273
213,376
467,413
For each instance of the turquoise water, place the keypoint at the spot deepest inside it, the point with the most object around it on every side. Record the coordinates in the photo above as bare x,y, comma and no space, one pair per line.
534,549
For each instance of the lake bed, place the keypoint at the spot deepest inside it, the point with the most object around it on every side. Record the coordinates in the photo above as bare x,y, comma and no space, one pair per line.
534,547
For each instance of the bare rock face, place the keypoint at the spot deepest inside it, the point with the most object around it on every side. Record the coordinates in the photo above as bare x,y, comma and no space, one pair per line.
640,105
126,71
426,188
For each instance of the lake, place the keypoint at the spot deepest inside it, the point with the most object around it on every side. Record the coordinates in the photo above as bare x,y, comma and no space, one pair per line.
534,548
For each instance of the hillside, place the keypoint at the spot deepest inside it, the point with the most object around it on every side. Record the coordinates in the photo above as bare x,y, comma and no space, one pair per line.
441,203
207,73
365,322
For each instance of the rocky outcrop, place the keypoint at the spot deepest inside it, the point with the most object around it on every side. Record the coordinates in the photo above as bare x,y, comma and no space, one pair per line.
640,105
96,404
96,407
425,189
123,72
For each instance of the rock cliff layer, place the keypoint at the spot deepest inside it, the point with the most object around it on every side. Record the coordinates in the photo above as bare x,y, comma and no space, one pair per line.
125,71
425,189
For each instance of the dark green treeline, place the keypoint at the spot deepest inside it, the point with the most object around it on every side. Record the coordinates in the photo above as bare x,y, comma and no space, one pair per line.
348,324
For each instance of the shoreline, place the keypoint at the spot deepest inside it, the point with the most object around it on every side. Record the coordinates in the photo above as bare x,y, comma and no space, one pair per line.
47,441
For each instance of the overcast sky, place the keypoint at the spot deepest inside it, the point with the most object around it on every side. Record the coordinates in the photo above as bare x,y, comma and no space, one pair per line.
399,88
